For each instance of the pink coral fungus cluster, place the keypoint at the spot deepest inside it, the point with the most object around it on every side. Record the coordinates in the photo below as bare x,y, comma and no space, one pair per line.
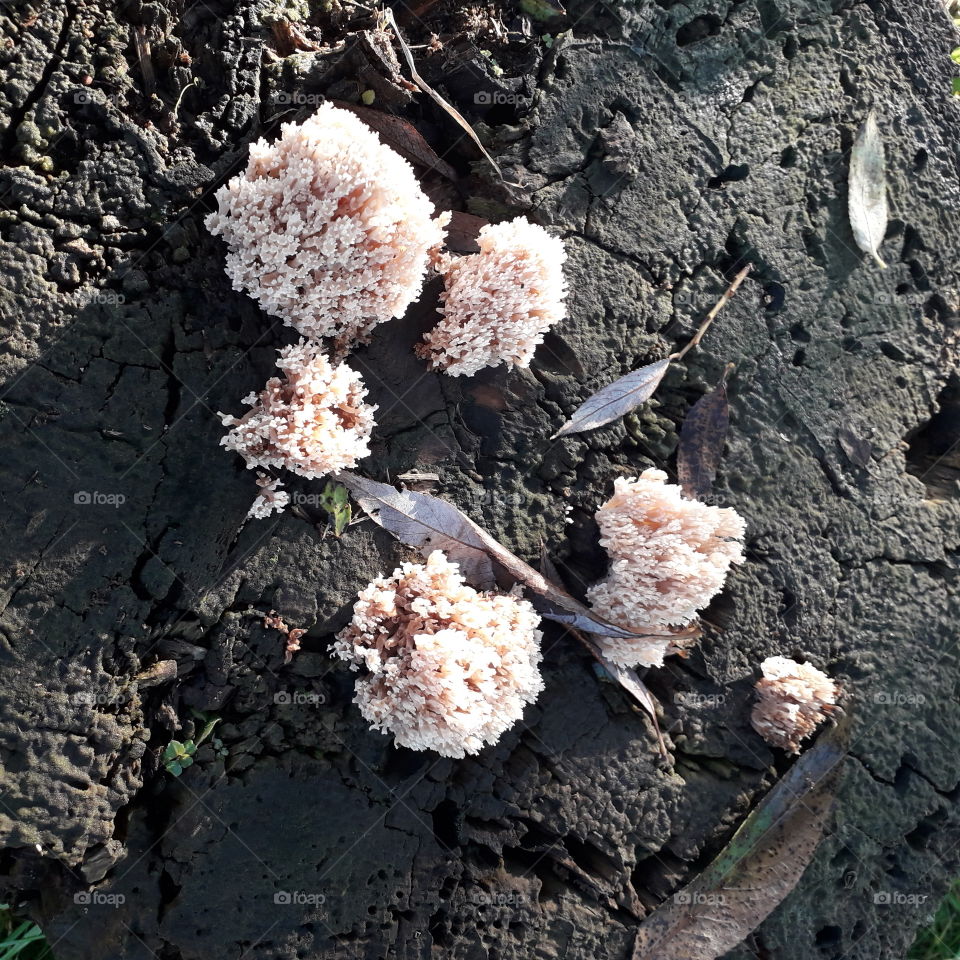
793,700
272,498
668,557
446,668
312,421
498,303
327,227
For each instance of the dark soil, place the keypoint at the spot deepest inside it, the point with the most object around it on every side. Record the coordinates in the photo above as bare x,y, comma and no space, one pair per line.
668,143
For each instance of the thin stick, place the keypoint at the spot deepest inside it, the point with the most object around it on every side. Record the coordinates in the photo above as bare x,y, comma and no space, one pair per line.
176,106
422,84
711,316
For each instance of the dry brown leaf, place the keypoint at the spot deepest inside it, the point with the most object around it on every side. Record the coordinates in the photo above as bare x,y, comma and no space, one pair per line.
402,136
702,437
859,451
758,867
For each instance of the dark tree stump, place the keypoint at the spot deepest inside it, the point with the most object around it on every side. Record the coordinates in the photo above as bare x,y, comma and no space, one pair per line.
668,143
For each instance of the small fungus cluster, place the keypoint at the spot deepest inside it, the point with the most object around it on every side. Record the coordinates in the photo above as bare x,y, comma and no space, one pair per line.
446,668
668,557
327,227
313,420
498,303
793,700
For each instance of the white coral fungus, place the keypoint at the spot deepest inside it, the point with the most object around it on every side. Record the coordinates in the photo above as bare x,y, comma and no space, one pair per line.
313,421
447,668
668,557
328,227
498,303
271,498
794,699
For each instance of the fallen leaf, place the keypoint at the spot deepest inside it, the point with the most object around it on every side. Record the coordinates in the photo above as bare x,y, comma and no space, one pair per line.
402,136
758,867
859,451
542,10
428,523
627,393
462,232
616,399
867,199
702,437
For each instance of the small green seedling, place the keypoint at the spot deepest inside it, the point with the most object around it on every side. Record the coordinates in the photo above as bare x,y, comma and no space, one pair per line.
335,500
178,756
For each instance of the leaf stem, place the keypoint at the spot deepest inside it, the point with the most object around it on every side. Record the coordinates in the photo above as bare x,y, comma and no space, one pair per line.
711,316
422,84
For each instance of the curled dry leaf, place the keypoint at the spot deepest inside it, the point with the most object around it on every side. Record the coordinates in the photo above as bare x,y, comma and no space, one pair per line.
616,399
625,676
758,867
859,451
702,437
428,523
462,232
403,137
867,200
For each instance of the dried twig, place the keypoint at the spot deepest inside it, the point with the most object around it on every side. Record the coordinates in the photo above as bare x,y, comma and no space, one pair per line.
422,84
711,316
